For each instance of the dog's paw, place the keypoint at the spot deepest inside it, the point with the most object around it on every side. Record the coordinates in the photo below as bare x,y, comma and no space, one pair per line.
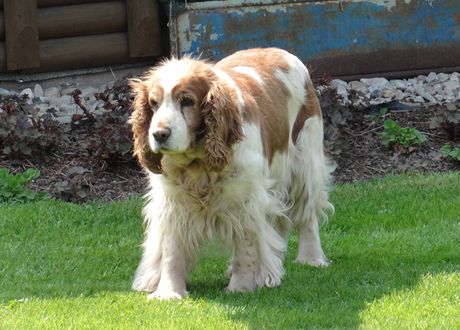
241,283
315,262
166,295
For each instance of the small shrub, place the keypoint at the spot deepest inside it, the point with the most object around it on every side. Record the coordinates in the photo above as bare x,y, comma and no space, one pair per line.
13,187
22,132
453,154
400,137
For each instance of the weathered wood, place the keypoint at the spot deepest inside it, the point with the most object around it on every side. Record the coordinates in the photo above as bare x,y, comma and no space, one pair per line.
2,57
2,26
21,34
49,3
80,52
143,28
77,20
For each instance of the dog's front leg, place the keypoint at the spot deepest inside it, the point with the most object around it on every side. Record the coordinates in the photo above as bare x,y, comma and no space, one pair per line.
244,265
173,276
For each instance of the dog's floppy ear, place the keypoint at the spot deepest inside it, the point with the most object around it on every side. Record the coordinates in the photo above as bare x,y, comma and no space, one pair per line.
140,121
222,122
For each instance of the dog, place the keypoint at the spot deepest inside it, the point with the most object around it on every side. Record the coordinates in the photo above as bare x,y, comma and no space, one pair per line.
233,150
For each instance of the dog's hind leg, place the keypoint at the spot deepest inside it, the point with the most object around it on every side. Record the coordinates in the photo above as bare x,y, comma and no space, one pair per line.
309,191
258,258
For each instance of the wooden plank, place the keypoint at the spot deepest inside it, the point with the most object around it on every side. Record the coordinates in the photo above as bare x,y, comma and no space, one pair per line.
2,26
2,57
21,34
78,20
143,28
80,52
50,3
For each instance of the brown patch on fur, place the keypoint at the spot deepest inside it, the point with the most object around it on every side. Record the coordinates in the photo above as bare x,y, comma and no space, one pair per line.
310,108
267,59
223,126
264,104
140,120
196,85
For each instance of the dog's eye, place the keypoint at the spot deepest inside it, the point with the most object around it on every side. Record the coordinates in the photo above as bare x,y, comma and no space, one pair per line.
186,102
153,105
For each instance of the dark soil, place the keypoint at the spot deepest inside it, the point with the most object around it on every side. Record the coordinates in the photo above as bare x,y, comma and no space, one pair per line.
364,156
76,171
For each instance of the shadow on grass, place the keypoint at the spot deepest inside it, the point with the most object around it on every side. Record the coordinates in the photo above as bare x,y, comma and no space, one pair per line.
324,298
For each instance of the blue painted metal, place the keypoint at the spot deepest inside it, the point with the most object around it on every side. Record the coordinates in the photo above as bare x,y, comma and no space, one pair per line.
348,37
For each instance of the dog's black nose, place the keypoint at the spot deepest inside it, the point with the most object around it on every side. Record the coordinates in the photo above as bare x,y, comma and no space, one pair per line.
162,134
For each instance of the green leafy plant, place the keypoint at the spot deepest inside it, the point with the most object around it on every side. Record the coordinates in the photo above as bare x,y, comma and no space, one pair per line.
453,154
14,187
396,136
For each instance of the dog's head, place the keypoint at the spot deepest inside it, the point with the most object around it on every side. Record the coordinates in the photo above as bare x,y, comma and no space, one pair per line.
182,107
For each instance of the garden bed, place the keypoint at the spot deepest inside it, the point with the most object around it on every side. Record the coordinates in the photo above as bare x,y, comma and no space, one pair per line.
90,158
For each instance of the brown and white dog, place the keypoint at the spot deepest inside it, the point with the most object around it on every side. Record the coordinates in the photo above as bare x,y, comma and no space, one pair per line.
233,150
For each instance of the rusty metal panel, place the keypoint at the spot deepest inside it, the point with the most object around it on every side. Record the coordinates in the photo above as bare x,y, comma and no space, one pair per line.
341,38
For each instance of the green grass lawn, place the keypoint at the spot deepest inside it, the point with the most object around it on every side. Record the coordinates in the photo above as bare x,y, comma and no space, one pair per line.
395,246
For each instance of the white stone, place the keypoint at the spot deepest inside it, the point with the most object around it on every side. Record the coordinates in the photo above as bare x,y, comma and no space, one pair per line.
68,108
388,93
428,97
431,77
27,92
443,77
88,92
431,90
64,119
68,90
399,84
375,81
342,91
341,88
451,85
38,91
454,78
4,92
59,101
439,97
358,86
410,89
421,78
44,99
52,92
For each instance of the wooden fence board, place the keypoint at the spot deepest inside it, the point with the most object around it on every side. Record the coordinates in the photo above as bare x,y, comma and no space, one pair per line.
2,26
87,51
49,3
2,57
143,28
77,20
21,34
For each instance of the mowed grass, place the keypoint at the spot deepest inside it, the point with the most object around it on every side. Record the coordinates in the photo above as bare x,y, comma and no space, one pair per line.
395,246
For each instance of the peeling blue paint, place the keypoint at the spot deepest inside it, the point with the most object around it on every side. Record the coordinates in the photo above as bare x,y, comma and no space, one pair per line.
361,24
318,29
